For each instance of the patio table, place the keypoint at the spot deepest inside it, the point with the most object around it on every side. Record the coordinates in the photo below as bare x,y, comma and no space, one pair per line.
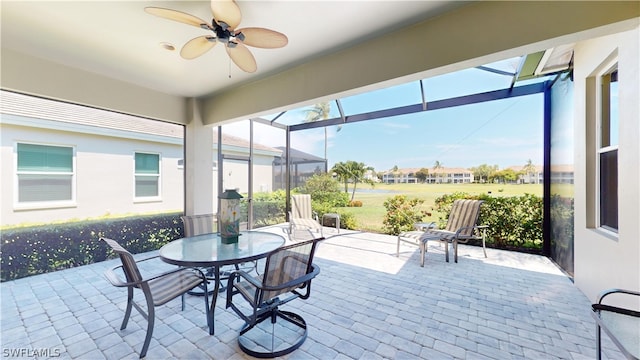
208,250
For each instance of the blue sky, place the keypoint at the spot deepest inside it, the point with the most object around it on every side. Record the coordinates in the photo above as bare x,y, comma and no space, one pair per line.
504,133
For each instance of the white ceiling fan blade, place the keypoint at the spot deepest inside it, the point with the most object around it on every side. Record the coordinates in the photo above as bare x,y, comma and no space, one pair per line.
263,38
226,11
196,47
242,57
176,15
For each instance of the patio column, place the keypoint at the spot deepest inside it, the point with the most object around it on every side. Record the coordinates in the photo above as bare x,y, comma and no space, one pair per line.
198,163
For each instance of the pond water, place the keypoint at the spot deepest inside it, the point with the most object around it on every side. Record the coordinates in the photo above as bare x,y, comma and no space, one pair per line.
376,191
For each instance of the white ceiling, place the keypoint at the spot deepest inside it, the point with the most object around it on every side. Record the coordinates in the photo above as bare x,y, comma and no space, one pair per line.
119,40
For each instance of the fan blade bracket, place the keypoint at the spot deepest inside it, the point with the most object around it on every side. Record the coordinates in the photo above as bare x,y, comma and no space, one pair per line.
227,12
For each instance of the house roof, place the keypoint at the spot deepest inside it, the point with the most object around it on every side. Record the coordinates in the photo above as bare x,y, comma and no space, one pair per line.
300,157
38,108
442,170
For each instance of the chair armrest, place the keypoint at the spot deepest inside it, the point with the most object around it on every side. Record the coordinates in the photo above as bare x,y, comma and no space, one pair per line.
115,280
422,226
295,282
470,227
615,291
245,275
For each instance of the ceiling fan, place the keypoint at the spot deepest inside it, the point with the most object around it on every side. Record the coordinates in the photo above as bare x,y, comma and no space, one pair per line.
226,18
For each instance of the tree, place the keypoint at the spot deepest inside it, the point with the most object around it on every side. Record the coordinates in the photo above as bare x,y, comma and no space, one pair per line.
437,166
352,171
422,174
342,173
505,176
318,112
529,169
396,173
484,172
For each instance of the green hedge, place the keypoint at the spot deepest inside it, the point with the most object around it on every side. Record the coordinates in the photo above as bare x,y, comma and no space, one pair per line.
40,249
515,222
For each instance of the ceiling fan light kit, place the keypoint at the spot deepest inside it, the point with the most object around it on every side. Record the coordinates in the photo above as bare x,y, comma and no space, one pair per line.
226,17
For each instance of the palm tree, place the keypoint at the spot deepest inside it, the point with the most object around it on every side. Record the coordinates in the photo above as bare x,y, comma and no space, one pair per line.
396,173
319,112
436,166
529,169
342,173
352,171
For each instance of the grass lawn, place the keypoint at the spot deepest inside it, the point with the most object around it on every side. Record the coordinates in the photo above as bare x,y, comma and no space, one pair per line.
369,217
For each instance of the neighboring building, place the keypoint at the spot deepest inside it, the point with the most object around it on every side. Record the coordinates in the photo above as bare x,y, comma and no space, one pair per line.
436,176
562,174
63,161
534,177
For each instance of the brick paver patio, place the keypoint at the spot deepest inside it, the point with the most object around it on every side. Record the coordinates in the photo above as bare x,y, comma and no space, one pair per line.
365,304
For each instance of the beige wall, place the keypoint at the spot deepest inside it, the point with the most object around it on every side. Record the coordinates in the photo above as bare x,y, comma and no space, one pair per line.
604,260
104,175
104,168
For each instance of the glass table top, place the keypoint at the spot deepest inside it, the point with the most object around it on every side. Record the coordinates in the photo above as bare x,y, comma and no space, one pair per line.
208,249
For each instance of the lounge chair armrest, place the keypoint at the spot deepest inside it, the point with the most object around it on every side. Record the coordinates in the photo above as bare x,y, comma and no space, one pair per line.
422,226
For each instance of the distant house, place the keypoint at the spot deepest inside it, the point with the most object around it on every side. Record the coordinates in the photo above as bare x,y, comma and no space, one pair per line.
534,177
560,174
436,176
62,161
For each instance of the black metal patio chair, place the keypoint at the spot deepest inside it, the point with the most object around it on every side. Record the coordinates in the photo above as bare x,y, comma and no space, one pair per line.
158,289
287,276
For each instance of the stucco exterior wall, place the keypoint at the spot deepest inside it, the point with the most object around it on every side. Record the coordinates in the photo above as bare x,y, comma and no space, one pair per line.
604,260
104,168
104,173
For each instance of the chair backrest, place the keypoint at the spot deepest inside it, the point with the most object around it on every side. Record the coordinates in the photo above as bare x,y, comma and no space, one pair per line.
464,213
128,263
198,224
301,206
286,264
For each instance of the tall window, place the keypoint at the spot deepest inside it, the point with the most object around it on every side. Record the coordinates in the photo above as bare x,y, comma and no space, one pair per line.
45,174
147,175
608,150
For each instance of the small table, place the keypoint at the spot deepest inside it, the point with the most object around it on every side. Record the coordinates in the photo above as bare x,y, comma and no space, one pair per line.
207,250
334,216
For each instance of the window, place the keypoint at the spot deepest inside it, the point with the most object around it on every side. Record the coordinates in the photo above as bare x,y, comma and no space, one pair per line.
147,175
608,150
45,174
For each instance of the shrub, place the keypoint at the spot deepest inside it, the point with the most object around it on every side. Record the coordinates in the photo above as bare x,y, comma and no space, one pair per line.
325,189
402,213
269,208
515,222
39,249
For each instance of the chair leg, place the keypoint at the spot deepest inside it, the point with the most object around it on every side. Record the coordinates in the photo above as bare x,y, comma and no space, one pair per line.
484,248
455,251
398,247
423,252
127,312
446,250
151,316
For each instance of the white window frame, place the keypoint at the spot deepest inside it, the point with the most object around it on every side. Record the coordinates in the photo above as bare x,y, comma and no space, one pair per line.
602,116
158,197
47,204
